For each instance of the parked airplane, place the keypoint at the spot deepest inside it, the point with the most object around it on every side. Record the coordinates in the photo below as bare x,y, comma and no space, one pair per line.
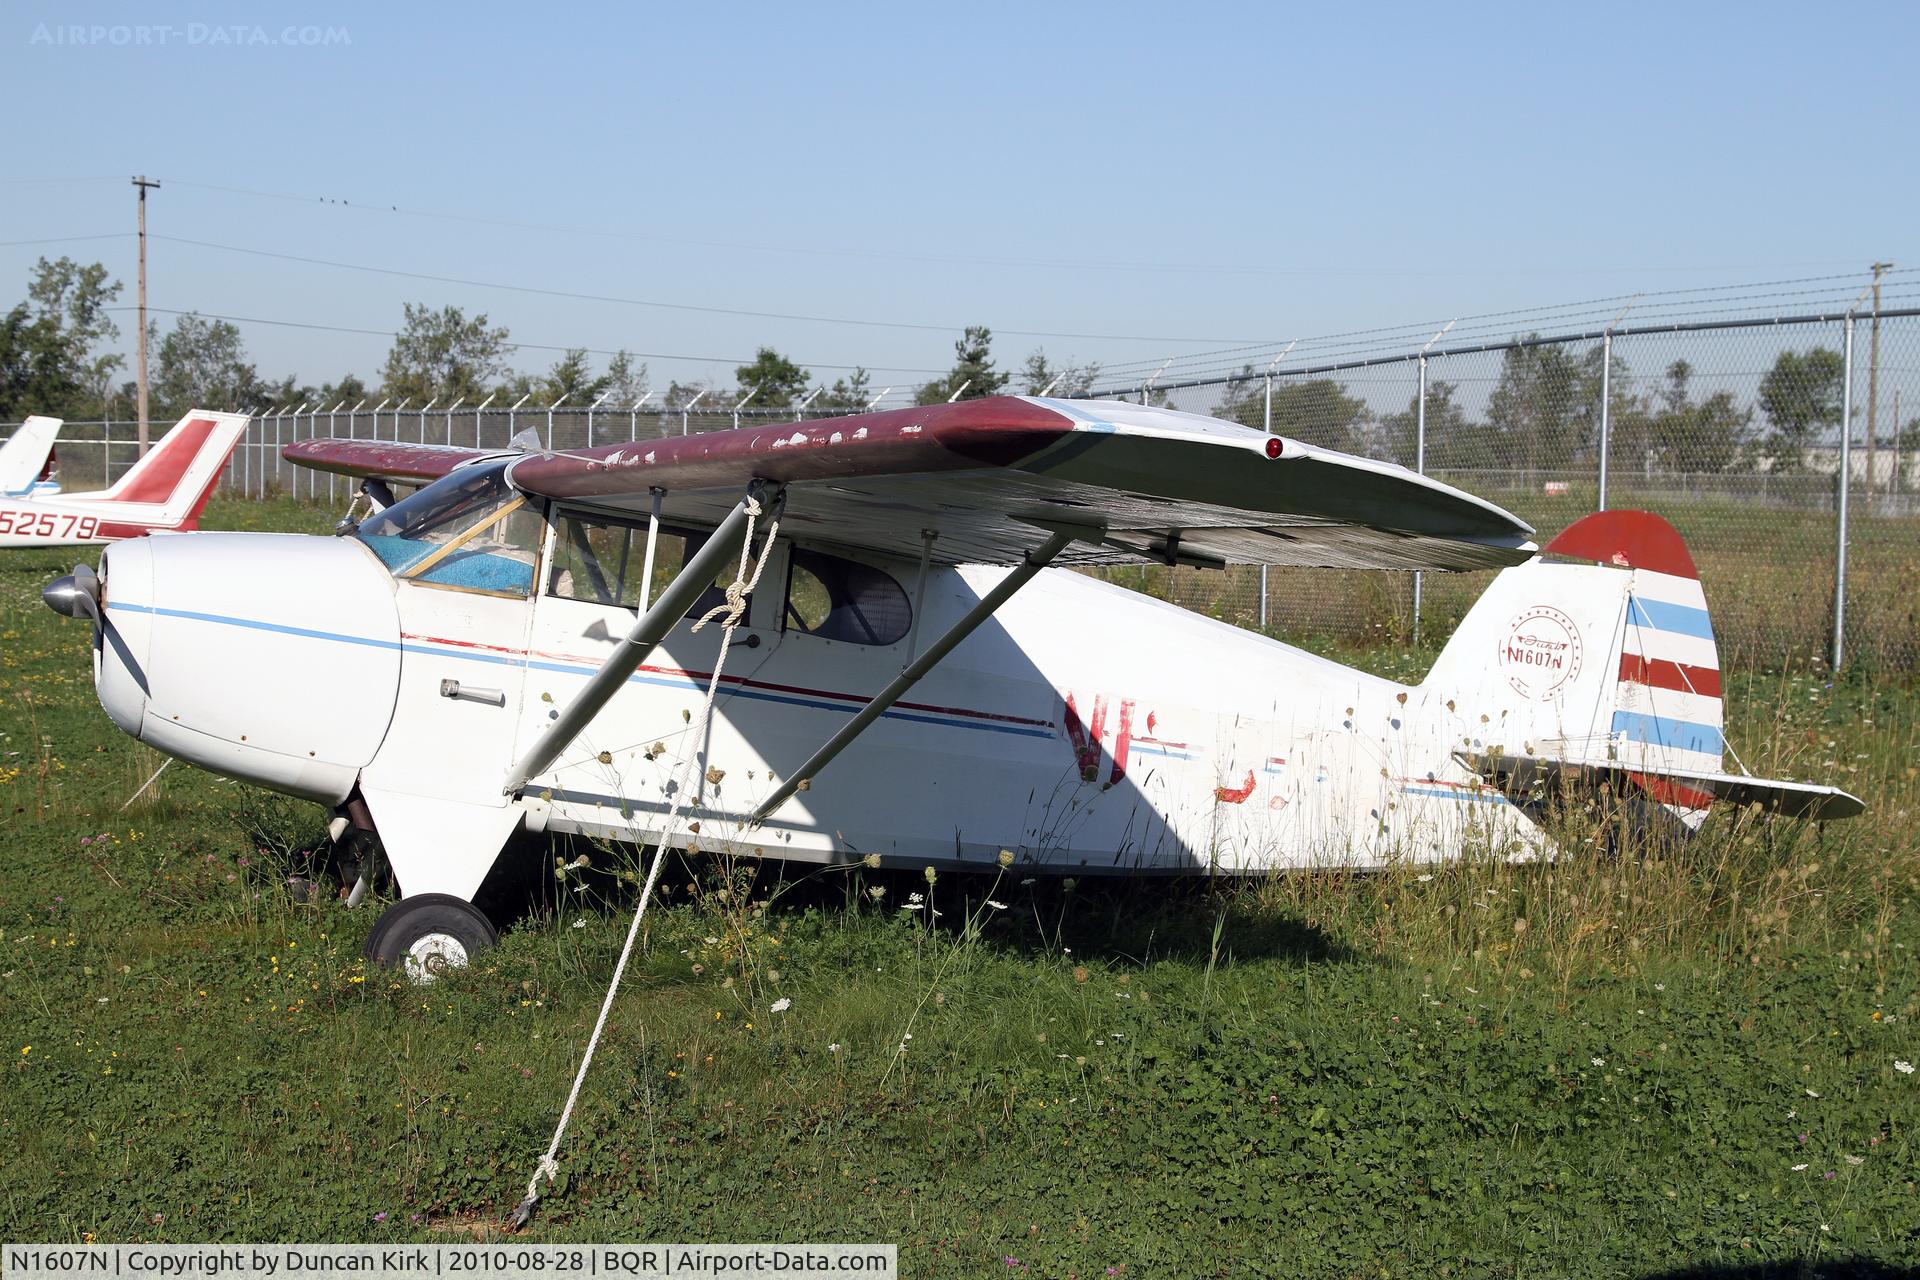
26,460
510,647
166,490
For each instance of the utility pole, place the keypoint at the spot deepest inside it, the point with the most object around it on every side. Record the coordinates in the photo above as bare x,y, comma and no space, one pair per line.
1873,382
142,183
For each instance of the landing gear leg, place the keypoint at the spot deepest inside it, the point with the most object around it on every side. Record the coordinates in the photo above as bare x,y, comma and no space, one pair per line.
428,935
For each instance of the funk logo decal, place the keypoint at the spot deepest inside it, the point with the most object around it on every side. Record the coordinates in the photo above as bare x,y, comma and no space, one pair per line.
1540,654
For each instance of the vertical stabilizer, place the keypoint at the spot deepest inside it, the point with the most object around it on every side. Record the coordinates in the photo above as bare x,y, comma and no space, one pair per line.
23,457
178,475
1607,662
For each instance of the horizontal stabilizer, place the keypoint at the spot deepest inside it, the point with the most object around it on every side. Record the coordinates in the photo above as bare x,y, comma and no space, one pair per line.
1520,775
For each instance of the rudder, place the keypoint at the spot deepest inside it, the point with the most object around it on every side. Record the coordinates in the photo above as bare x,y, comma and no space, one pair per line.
1607,662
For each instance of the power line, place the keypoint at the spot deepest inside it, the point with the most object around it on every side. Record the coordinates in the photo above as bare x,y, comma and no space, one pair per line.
513,345
1067,264
105,235
668,306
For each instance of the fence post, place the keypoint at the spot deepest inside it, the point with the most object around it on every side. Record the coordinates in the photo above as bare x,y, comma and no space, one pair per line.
590,409
686,412
1606,408
1264,569
333,433
477,411
1420,466
1844,480
313,477
741,403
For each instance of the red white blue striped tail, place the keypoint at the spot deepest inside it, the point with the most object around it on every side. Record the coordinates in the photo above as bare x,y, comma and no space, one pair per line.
1668,714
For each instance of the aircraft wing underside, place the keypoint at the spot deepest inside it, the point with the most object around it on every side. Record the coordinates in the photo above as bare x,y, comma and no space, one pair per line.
985,477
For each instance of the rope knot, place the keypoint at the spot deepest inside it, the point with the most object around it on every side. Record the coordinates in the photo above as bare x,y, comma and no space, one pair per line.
743,582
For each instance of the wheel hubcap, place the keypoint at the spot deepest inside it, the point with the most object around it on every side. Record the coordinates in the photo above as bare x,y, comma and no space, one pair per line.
434,954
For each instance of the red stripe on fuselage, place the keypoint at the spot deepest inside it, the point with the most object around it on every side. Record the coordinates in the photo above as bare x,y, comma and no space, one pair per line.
856,699
1658,673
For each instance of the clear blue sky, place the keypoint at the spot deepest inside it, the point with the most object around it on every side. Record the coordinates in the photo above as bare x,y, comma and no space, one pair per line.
1192,171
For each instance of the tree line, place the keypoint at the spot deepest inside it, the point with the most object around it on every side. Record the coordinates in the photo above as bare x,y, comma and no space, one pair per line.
56,358
1543,413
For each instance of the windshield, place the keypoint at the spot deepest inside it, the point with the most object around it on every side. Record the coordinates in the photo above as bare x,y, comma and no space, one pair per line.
468,530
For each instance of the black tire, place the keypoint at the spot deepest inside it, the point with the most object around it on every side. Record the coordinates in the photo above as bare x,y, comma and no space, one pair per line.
425,936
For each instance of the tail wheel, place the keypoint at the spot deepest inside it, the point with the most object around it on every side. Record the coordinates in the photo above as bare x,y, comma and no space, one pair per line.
429,935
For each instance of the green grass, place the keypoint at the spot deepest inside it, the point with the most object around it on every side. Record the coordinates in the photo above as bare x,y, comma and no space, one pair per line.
1598,1068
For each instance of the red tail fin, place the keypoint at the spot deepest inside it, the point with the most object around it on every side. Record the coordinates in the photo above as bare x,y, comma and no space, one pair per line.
178,476
156,476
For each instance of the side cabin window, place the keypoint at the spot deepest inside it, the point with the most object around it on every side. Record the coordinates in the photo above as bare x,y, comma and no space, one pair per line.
839,599
467,531
600,560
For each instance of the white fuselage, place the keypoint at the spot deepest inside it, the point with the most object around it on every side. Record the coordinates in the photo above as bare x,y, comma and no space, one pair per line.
1086,728
55,519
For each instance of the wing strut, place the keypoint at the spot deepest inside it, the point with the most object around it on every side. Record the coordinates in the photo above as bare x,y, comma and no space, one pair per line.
1031,563
652,627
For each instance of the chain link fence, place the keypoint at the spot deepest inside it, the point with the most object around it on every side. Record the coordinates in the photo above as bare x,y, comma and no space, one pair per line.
1733,431
1787,453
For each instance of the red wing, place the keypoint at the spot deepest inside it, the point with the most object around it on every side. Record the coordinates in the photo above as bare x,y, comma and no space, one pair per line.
381,459
983,474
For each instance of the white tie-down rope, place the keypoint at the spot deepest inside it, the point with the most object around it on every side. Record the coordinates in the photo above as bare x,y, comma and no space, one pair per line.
729,613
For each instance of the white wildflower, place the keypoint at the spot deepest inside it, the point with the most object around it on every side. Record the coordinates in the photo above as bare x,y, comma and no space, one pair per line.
997,906
1812,1094
1598,1062
1856,1160
1800,1168
1424,877
581,923
780,1006
1903,1067
833,1048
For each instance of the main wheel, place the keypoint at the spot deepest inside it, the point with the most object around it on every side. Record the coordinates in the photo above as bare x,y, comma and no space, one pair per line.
429,935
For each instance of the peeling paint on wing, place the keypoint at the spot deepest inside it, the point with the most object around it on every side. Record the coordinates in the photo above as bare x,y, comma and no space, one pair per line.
835,438
860,433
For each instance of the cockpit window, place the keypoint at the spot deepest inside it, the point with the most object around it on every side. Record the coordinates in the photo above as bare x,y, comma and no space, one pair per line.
838,599
600,559
468,530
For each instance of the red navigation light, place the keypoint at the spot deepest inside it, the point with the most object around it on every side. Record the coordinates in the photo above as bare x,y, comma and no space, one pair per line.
1275,446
